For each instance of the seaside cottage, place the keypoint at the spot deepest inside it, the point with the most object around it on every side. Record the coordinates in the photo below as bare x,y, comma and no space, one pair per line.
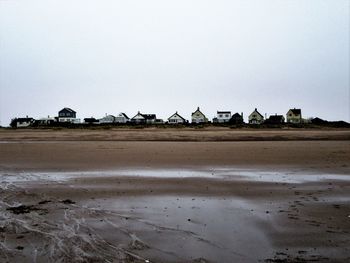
46,121
222,116
237,118
67,115
122,118
108,119
140,118
91,121
21,122
150,118
198,117
275,119
176,119
294,116
256,117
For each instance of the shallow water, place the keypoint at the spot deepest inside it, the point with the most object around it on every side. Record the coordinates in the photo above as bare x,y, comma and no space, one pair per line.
277,176
168,227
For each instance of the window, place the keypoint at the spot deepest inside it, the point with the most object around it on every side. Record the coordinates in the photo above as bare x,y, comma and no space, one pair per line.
226,115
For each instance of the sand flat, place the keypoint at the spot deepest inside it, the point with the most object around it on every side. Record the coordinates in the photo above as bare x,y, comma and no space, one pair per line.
174,201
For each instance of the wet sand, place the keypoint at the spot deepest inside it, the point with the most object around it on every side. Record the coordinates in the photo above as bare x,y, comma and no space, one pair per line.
137,201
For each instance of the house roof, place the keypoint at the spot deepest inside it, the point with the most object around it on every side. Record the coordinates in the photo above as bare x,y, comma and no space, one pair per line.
276,118
223,112
90,119
237,115
177,115
138,114
296,111
198,110
24,119
145,116
125,116
149,116
108,116
67,109
256,110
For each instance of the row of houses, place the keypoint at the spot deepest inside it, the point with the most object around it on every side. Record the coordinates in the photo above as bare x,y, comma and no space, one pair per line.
68,115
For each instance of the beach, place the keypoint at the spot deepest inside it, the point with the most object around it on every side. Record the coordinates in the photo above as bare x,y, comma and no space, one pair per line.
175,195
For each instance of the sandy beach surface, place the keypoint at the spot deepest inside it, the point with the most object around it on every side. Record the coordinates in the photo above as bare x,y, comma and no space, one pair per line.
169,195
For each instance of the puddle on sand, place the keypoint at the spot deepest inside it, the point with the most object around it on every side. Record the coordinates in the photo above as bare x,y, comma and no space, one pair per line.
210,172
181,229
164,228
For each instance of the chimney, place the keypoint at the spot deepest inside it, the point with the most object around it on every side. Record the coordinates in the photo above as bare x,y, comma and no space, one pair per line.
197,108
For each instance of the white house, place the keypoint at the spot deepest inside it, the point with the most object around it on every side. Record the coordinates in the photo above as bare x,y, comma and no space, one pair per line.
144,118
294,116
256,117
107,119
198,117
46,121
122,118
176,119
223,116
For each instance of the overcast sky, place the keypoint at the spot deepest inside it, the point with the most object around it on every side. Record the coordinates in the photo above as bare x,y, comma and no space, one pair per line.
163,56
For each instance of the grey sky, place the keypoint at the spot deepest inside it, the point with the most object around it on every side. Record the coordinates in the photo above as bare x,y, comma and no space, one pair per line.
162,56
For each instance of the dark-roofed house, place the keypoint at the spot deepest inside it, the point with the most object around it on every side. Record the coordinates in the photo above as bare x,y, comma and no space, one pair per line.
237,119
294,116
275,119
67,115
176,119
222,116
91,120
21,122
198,117
150,118
122,118
144,118
256,117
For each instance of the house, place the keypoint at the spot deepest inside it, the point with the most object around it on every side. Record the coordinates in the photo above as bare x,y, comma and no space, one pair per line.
150,118
46,121
294,116
144,118
91,121
255,117
122,118
108,119
198,117
159,121
21,122
176,119
275,119
222,117
237,118
67,115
